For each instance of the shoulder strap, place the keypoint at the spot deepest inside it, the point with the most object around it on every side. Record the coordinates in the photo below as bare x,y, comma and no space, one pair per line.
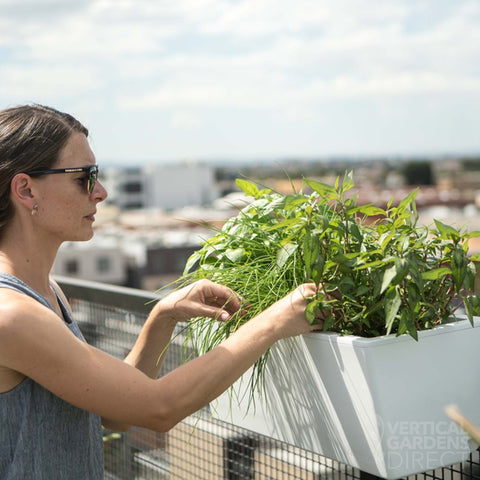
14,283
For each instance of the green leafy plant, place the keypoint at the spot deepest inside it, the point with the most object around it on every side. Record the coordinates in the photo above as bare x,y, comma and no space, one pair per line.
377,272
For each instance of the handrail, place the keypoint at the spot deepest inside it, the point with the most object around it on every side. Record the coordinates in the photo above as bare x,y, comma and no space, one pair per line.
132,299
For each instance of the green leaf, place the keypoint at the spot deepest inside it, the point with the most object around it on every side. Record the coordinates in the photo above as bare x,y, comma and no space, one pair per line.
235,254
355,232
285,223
386,238
317,269
475,257
311,311
403,244
447,232
361,290
474,304
401,265
407,201
475,234
468,309
310,249
388,276
411,327
347,183
368,210
459,267
470,276
313,307
192,260
374,264
285,253
249,188
321,188
328,324
264,191
402,324
392,304
294,201
395,274
436,273
347,259
346,284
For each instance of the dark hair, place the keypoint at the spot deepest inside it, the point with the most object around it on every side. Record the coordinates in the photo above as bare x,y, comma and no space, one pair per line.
31,138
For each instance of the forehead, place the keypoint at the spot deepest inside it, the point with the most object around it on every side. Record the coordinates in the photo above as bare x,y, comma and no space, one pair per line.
76,152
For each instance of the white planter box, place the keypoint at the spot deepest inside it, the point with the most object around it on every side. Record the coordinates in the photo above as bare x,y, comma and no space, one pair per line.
372,403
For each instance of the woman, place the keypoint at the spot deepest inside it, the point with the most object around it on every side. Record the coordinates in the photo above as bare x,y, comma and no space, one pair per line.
54,387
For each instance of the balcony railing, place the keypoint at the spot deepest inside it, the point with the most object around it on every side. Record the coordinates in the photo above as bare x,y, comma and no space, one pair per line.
200,447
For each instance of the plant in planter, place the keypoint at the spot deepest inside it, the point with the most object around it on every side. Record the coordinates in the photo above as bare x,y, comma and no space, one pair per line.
377,271
379,274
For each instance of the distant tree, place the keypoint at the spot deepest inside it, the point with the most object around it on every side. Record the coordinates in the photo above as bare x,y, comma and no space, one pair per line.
471,163
418,173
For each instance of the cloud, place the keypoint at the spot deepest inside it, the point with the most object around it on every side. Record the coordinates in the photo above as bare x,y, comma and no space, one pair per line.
281,59
185,119
352,52
49,82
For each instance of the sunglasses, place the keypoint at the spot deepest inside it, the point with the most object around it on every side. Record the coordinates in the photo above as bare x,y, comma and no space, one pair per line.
91,170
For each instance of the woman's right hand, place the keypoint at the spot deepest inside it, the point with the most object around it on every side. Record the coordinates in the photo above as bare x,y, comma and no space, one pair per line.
287,315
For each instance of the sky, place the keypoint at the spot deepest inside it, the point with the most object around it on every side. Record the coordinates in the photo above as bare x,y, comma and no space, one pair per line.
167,80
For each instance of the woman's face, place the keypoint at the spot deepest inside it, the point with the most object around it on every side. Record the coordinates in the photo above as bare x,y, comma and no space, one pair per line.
65,208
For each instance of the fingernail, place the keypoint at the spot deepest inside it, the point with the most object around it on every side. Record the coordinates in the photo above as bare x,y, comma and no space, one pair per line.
223,317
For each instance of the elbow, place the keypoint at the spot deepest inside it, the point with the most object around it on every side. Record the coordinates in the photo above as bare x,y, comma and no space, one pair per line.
164,425
115,426
158,421
167,417
122,428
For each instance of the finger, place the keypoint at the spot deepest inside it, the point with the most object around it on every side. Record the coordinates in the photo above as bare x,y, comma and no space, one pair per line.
215,313
307,290
225,298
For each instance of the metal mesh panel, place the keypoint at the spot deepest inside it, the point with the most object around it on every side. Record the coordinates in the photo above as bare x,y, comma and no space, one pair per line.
203,448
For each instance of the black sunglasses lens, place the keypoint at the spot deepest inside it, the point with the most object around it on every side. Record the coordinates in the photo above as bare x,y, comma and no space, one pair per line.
92,178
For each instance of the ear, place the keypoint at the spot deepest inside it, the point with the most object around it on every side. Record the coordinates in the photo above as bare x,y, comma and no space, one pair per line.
21,190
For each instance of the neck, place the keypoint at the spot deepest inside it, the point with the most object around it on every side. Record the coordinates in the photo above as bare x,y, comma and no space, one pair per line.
28,258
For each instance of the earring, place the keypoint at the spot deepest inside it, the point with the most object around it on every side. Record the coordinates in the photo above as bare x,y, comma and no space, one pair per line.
35,209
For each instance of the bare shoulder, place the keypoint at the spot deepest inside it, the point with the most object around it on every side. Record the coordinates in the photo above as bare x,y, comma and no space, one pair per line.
22,319
13,305
19,316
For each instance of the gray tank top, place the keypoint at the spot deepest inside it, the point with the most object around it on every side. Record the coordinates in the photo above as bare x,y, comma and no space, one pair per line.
42,437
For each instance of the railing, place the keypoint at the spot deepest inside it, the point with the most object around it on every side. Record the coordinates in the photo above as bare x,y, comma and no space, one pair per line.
200,447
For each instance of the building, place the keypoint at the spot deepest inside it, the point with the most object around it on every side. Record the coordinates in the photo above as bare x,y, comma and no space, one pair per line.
92,261
164,186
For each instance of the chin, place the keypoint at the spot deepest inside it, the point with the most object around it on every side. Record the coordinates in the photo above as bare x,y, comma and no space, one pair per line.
89,236
82,237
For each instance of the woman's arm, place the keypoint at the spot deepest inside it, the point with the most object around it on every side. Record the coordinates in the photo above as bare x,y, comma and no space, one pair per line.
202,298
35,342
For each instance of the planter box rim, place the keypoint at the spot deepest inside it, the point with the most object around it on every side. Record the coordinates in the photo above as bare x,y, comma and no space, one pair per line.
458,322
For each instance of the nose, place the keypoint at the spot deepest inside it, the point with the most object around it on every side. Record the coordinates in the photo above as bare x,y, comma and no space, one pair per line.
99,192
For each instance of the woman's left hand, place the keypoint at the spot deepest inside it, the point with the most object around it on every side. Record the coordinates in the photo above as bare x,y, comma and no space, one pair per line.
203,298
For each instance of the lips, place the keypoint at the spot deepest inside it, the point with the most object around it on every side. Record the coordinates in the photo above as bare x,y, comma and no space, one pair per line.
91,216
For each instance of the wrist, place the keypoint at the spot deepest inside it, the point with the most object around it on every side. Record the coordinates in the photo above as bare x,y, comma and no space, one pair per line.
267,326
164,314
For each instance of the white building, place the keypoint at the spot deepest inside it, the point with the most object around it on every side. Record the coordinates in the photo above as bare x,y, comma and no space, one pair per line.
174,186
166,186
91,261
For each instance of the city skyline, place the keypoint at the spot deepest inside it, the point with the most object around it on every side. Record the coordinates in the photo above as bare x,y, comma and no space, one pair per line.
264,79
